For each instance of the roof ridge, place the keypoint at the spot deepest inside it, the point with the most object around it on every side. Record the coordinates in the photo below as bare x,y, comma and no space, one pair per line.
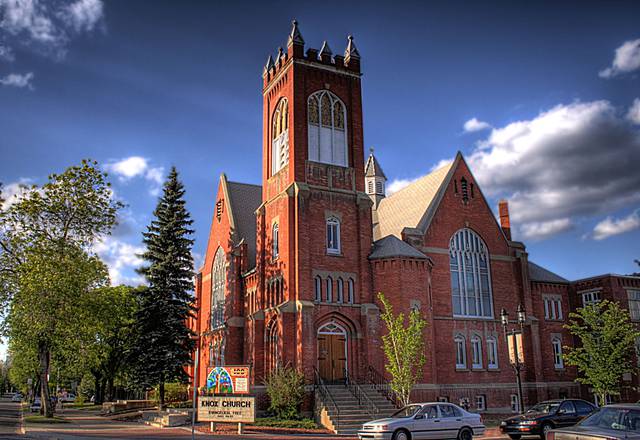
418,179
244,183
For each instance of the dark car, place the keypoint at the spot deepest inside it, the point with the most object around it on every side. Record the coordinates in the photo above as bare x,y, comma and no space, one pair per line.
613,422
544,416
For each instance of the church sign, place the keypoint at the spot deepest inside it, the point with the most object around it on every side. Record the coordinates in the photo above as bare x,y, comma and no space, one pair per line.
226,409
228,380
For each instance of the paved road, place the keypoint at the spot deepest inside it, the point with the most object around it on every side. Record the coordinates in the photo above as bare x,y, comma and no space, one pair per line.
10,420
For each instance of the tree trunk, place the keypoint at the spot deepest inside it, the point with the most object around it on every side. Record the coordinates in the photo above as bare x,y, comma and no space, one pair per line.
97,396
110,395
161,391
103,387
45,399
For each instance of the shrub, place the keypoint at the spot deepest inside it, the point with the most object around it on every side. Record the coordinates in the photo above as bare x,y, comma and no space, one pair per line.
285,387
279,423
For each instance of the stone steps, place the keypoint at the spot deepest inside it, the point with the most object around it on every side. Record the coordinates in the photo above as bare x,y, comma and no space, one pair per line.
163,419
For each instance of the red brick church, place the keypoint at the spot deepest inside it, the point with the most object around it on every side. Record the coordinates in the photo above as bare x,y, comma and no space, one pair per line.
293,266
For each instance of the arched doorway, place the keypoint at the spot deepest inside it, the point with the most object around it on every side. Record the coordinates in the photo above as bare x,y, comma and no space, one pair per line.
332,352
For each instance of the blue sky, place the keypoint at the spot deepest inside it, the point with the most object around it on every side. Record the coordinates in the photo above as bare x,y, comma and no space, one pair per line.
144,85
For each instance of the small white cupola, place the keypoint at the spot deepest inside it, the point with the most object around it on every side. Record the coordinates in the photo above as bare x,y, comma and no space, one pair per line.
374,180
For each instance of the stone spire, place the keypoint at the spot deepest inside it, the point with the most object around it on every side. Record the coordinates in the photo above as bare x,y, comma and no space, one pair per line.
295,37
374,180
325,49
268,66
352,51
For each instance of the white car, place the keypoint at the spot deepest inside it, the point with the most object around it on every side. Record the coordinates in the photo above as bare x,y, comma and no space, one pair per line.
17,397
425,421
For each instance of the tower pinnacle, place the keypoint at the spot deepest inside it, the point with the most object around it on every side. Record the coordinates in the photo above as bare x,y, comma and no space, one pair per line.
295,37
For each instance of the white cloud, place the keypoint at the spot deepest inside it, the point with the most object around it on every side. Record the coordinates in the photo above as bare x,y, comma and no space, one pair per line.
397,184
572,161
83,15
6,53
12,192
627,59
137,166
18,80
122,259
542,230
475,125
31,17
609,226
634,112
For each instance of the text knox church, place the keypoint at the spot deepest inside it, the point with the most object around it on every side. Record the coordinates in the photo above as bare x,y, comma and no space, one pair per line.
293,266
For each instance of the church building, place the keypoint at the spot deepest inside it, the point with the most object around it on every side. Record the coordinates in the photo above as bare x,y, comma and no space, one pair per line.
293,266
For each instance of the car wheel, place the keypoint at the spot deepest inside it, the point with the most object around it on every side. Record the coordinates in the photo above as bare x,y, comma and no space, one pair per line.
465,434
514,436
545,428
401,434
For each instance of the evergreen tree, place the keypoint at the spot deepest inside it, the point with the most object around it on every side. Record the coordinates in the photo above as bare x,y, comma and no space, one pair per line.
164,342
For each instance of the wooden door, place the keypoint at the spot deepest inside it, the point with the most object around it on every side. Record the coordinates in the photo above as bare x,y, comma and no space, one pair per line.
332,358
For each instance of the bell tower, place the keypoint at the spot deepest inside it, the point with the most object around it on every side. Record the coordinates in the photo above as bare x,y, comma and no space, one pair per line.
314,224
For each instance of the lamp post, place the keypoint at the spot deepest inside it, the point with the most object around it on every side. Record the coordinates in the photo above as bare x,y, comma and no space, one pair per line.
512,335
195,386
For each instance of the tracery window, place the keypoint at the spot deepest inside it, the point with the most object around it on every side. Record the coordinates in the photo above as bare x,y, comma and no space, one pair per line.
470,275
333,235
326,128
280,137
273,353
218,279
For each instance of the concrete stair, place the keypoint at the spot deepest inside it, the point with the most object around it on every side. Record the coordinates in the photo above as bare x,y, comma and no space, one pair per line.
352,415
163,419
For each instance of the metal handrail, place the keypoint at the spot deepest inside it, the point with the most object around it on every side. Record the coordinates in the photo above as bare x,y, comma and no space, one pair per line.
361,395
382,385
325,395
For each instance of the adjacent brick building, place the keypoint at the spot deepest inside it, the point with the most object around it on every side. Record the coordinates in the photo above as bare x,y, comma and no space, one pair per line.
293,266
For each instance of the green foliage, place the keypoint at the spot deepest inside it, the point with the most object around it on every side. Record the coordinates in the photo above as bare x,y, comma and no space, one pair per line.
47,270
164,343
286,423
285,387
403,345
173,392
605,353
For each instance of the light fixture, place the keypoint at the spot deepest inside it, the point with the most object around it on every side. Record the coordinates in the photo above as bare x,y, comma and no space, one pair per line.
522,316
504,317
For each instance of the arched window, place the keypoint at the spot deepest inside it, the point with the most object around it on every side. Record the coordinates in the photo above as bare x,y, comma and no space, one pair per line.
461,353
470,277
275,245
558,363
329,289
340,295
280,137
476,352
318,289
333,235
327,129
273,353
218,278
492,353
351,291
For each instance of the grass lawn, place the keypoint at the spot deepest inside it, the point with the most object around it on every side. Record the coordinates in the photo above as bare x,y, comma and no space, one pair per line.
281,423
43,419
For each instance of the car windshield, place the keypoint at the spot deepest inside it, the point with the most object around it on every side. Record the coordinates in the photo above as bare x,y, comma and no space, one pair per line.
544,407
618,419
407,411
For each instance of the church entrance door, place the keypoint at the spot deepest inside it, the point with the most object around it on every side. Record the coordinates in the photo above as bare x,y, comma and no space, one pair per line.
332,353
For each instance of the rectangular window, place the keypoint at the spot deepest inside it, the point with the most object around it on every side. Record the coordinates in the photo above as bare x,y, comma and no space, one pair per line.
634,304
481,402
557,354
589,298
333,236
515,405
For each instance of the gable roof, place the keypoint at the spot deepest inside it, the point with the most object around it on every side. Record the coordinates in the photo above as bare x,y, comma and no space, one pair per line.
542,275
243,200
391,246
414,204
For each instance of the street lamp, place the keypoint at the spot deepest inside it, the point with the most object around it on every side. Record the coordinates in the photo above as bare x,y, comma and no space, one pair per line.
513,342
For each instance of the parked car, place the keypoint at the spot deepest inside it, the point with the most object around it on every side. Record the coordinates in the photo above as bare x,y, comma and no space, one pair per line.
544,416
612,422
425,421
36,405
68,398
17,397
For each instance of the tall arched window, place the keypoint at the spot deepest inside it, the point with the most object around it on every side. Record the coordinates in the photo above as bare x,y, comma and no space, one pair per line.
351,291
280,137
329,289
218,279
275,244
318,289
492,353
273,353
476,352
470,277
461,353
340,293
327,121
333,235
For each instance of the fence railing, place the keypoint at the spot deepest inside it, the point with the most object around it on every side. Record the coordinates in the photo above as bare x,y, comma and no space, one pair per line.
364,401
382,385
325,396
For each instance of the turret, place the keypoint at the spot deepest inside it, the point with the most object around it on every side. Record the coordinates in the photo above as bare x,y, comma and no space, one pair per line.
374,180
